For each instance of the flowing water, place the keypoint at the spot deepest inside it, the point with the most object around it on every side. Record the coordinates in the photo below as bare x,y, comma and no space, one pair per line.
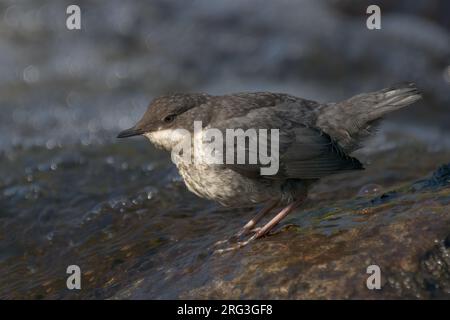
71,194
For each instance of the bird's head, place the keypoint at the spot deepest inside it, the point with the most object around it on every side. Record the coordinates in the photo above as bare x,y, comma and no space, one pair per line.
164,116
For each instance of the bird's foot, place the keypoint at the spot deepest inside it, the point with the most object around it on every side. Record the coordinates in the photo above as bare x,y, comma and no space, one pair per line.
221,242
236,246
245,232
237,243
238,237
259,232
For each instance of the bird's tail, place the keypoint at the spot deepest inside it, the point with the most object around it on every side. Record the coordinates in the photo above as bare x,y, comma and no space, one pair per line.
352,120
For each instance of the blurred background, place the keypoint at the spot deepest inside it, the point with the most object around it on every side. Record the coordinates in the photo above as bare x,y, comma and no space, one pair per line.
59,86
69,189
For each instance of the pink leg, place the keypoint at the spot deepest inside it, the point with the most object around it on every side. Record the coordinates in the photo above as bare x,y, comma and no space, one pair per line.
252,223
275,220
269,226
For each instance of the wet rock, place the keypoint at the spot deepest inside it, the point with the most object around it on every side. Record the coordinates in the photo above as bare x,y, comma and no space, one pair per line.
64,175
163,235
384,197
410,244
440,178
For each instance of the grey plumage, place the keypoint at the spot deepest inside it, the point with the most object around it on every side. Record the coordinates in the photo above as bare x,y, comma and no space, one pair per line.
353,120
315,138
306,152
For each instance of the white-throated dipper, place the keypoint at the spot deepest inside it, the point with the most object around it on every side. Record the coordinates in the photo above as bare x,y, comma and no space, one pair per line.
314,141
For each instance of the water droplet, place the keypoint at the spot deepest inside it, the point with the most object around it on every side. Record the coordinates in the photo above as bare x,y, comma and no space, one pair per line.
148,167
86,141
110,160
370,189
50,236
50,144
31,74
31,269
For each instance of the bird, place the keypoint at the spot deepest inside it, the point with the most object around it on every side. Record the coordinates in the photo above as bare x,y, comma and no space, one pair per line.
315,140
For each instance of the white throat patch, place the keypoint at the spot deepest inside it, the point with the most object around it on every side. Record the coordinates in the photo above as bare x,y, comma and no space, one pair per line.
167,138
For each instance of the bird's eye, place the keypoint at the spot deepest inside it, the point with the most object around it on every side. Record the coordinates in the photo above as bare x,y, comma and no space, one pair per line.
169,118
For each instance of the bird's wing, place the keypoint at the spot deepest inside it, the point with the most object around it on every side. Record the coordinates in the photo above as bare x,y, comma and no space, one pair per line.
305,152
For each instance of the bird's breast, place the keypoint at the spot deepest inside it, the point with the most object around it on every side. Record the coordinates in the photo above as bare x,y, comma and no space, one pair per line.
229,188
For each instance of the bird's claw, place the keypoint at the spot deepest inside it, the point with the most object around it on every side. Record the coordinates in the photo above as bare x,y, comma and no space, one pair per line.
235,240
237,245
238,236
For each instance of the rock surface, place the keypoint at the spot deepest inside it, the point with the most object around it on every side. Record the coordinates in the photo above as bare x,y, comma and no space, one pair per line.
406,232
151,238
70,193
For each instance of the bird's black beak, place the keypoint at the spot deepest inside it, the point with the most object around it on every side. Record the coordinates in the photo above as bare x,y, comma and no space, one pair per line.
130,132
